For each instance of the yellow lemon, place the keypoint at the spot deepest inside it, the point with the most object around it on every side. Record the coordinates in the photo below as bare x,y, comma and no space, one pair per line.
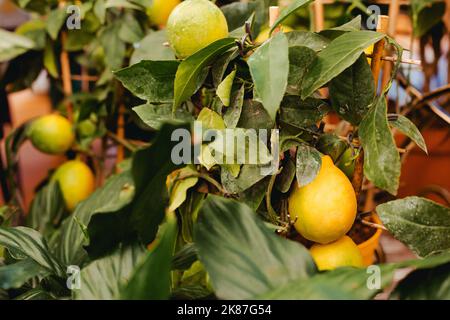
51,134
325,209
369,51
341,253
76,181
264,34
160,10
193,25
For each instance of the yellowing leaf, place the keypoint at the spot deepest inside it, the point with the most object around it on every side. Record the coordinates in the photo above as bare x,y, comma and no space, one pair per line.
224,88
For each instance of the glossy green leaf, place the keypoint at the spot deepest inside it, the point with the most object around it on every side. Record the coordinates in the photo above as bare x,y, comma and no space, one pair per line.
269,67
302,114
254,116
221,64
113,46
50,60
151,279
286,177
258,261
308,164
340,54
311,40
152,47
421,224
300,59
150,80
426,14
353,91
186,79
233,113
408,128
381,158
155,115
210,119
224,88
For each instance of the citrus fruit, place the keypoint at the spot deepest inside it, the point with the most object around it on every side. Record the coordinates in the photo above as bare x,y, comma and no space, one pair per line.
264,34
51,134
159,11
86,128
341,253
369,51
347,163
76,181
325,209
193,25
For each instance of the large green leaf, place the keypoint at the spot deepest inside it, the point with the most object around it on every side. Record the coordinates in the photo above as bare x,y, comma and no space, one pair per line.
307,39
152,48
155,115
353,91
104,278
248,176
190,69
151,279
300,59
340,54
381,158
28,243
302,113
15,275
150,80
254,116
47,209
421,224
257,260
233,112
150,169
69,247
237,13
408,128
13,45
292,8
269,67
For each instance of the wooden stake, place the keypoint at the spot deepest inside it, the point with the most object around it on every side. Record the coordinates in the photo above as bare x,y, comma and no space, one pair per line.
274,13
66,76
120,133
378,50
318,15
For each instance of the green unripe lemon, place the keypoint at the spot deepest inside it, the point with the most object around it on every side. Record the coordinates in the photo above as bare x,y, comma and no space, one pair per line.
76,181
325,209
341,253
193,25
51,134
347,163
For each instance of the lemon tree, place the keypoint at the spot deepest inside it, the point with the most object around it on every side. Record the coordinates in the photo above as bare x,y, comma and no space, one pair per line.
161,228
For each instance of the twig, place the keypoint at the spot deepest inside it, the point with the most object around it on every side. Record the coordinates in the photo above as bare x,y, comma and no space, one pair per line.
372,224
121,141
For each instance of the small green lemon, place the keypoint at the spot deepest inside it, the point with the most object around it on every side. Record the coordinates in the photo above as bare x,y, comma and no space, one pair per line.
86,128
76,181
325,209
347,163
341,253
51,134
193,25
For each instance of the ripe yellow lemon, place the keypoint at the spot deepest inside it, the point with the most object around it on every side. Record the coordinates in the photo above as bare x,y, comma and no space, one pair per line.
341,253
325,209
76,181
193,25
51,134
160,10
264,34
369,51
